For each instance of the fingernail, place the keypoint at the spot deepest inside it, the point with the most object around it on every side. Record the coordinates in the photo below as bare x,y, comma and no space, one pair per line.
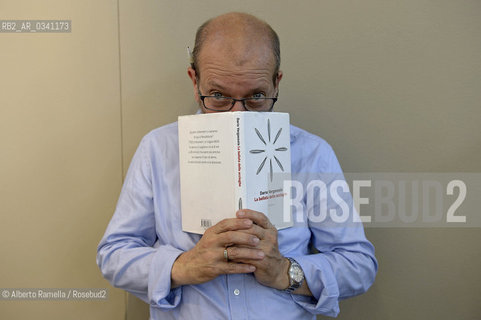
260,254
252,268
255,240
241,213
247,222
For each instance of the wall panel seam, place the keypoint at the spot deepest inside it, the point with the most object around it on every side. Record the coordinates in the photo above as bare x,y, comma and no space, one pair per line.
121,97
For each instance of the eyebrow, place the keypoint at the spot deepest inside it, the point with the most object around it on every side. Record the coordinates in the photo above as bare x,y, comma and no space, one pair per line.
218,86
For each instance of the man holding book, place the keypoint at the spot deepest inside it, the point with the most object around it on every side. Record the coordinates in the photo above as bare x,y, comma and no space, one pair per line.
241,267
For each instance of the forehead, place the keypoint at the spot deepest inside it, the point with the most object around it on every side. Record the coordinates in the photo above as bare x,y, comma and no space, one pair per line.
225,65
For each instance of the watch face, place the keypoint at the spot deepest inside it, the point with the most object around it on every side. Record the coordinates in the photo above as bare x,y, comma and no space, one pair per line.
297,274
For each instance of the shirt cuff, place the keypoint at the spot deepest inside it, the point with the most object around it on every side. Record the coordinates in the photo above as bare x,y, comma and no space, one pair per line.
159,292
322,284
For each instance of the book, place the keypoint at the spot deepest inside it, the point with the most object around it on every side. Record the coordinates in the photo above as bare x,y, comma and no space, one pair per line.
230,161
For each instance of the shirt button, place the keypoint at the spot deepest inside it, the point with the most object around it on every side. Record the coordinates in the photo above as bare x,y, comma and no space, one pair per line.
236,292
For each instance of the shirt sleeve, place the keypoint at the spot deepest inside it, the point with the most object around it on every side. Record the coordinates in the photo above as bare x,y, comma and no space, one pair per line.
129,255
345,264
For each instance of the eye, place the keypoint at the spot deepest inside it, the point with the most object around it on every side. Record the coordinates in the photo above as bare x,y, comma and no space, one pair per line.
217,94
259,95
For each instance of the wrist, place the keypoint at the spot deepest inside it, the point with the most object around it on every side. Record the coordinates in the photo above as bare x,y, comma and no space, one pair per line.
283,277
177,277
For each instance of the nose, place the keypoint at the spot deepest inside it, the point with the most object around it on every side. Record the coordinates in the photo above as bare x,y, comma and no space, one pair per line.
238,106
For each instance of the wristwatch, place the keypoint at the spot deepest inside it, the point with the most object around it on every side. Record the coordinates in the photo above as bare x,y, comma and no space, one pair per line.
296,276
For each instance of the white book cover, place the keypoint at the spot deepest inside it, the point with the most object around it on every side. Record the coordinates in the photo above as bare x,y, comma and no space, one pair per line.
231,161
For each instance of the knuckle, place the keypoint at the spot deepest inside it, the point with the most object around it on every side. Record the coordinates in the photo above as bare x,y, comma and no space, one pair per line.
228,237
264,219
215,271
233,252
260,232
261,217
229,225
232,268
223,223
208,241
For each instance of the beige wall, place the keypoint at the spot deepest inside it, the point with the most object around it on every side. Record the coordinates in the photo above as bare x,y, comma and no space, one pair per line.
60,155
392,86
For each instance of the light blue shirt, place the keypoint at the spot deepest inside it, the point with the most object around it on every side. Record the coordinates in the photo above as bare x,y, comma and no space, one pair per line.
145,237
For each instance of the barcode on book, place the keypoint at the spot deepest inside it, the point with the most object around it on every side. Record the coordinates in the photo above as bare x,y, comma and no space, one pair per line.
205,223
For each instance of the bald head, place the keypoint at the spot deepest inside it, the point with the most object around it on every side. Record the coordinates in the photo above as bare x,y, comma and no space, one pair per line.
239,36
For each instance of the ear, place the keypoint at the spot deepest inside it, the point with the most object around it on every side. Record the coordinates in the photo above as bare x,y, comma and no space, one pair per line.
278,79
193,76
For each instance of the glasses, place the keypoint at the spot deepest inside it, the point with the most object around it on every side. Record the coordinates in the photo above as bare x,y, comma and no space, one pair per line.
222,104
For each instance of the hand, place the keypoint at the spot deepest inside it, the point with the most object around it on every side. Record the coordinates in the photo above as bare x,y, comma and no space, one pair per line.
272,269
206,260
